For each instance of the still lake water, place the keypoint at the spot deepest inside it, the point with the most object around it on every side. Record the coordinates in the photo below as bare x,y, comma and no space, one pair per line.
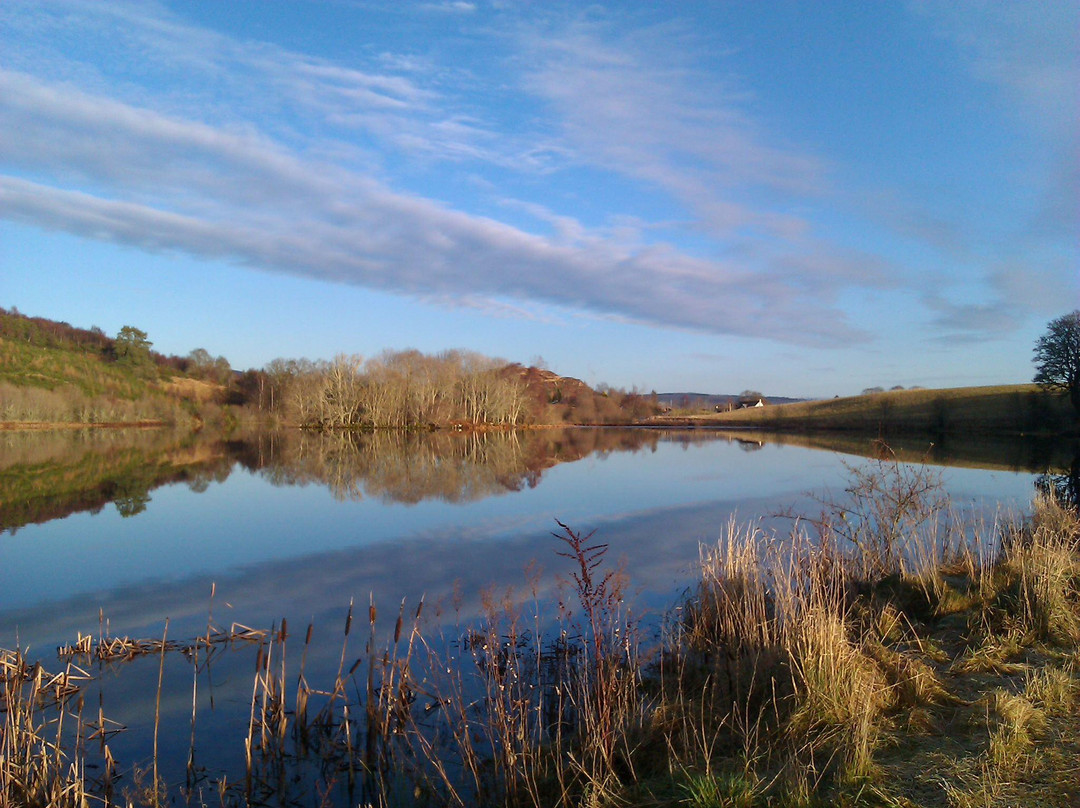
138,528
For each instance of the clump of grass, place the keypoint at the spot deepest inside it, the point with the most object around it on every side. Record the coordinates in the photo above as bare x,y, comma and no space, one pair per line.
723,790
541,723
1036,586
1054,690
776,669
1018,723
997,653
840,694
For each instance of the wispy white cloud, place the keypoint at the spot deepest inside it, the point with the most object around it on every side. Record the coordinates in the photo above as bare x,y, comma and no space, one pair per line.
624,107
1036,284
1030,54
450,7
101,166
500,309
157,61
202,163
956,323
652,117
1030,50
1043,284
361,233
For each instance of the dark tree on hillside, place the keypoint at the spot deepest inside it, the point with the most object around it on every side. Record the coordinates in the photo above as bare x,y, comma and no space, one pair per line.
1057,357
131,346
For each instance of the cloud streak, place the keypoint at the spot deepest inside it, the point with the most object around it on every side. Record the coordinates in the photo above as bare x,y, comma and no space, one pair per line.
106,169
621,109
202,163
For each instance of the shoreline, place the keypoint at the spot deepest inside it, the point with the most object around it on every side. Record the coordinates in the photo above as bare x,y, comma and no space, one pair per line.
42,426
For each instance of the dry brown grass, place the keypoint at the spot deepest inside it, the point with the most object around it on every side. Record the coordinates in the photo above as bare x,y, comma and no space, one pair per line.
37,767
193,389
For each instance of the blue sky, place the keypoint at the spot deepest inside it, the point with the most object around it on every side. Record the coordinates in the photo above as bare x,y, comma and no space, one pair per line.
802,198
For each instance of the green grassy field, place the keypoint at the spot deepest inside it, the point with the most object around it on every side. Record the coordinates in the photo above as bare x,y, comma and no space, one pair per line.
51,368
70,384
1017,409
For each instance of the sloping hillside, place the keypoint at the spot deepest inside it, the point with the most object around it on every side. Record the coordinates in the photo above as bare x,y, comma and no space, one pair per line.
566,400
53,372
1018,408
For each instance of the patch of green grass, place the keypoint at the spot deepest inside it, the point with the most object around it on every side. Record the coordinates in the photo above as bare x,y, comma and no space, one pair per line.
48,368
725,790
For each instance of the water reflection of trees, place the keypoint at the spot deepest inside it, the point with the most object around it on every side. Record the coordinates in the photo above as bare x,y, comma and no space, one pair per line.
408,467
1063,485
50,475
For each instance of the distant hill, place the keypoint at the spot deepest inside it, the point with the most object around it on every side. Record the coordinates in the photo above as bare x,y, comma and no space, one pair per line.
708,401
566,400
1001,409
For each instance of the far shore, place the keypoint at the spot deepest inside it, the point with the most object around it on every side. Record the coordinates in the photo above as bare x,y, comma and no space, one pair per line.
1018,409
38,426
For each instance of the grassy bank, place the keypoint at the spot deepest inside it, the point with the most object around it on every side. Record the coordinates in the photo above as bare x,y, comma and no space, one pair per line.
52,373
885,653
1012,409
61,386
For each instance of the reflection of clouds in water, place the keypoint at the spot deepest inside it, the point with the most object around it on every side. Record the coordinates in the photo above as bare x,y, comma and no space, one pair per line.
659,548
653,514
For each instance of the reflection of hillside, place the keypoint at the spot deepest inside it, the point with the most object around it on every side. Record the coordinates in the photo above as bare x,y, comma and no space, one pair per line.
994,452
50,475
409,467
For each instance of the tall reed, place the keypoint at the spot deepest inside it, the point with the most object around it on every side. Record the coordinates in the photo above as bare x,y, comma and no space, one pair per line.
35,769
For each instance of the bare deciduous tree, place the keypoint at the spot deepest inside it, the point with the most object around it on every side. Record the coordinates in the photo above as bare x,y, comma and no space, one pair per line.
1057,357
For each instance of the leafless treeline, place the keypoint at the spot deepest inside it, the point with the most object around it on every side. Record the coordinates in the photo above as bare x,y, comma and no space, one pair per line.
400,389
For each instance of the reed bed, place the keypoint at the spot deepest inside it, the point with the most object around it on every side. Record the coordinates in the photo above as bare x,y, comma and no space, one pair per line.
790,675
37,766
105,648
